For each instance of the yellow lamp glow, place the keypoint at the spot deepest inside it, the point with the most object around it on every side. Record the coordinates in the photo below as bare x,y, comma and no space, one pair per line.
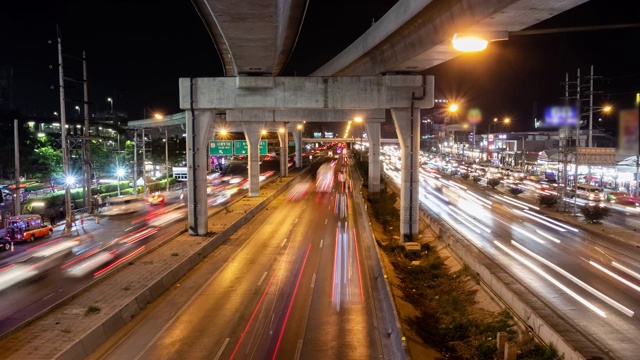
469,43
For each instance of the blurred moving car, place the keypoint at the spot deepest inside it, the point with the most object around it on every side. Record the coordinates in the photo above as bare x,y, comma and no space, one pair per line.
156,199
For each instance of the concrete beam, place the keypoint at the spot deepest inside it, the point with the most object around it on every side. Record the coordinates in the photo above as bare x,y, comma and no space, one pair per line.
308,115
356,93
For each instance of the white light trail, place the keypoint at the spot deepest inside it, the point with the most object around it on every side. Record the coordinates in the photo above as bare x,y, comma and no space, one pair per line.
552,280
552,221
579,282
521,203
548,236
539,220
616,276
522,231
511,202
473,221
628,271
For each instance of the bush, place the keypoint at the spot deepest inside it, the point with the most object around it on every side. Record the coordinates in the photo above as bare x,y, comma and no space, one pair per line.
493,183
548,200
594,213
476,178
515,190
465,176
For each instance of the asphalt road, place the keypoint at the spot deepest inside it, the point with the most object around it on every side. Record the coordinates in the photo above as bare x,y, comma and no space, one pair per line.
289,285
590,281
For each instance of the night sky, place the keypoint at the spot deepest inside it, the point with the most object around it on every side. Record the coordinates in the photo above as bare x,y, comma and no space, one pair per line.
137,50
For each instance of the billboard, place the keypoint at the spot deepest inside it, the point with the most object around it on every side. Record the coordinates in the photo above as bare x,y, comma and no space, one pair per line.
558,116
628,132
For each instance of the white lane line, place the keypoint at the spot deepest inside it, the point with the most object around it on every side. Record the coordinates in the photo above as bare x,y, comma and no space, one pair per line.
296,220
262,278
298,350
325,221
313,280
321,242
48,296
224,344
284,242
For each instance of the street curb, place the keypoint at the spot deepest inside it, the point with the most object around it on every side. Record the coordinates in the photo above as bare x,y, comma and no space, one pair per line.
95,337
398,345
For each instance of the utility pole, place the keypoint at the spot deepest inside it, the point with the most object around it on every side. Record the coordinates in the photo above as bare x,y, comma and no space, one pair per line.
144,164
86,142
135,162
63,130
575,177
166,155
16,143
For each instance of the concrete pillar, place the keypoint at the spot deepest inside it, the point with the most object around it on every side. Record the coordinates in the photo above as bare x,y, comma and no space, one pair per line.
198,130
283,137
510,351
373,133
252,135
297,138
501,340
409,137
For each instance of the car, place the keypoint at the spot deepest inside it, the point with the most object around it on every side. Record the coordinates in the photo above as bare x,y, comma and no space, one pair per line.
156,199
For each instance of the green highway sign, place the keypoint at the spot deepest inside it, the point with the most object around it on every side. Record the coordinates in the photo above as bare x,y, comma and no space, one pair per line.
221,147
240,147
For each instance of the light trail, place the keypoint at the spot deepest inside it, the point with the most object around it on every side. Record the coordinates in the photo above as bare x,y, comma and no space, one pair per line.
616,276
539,220
552,221
552,280
577,281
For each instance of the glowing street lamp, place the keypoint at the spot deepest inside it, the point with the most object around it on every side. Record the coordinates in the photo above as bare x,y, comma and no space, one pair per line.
119,175
474,42
158,116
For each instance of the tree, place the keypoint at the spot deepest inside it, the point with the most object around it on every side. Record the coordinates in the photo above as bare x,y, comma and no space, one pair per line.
548,200
476,178
48,162
516,190
465,176
594,213
493,182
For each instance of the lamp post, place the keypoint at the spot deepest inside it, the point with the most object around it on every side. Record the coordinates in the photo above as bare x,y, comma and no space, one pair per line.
119,175
496,121
359,121
111,101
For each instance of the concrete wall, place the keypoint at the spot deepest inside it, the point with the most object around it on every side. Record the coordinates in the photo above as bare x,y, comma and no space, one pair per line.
389,326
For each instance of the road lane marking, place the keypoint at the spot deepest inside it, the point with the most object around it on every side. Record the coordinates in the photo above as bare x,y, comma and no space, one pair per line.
321,242
296,220
262,278
284,242
313,280
325,221
298,350
224,344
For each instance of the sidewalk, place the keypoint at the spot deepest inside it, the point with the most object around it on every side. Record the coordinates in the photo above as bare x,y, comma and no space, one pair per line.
70,331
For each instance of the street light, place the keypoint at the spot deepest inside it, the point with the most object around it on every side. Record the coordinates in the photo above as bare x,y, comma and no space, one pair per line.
111,101
496,121
119,175
359,120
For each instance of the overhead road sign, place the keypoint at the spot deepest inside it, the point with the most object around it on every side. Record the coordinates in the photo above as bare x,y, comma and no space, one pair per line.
221,147
240,147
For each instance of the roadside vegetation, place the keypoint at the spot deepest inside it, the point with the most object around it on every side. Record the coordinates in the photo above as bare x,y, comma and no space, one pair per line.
594,213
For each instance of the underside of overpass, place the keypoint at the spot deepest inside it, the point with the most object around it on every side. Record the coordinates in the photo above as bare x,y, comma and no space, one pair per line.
256,37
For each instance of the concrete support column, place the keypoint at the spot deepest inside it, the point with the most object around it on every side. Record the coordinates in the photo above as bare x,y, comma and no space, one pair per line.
252,135
408,130
283,137
297,137
373,134
198,129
